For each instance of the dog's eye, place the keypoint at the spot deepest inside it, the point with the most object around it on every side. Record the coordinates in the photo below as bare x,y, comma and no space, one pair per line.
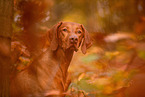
64,30
79,32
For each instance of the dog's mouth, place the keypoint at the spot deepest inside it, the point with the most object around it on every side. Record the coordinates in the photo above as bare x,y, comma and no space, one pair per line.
73,47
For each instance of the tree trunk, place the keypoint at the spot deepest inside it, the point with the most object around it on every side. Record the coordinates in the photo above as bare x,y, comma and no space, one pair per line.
6,18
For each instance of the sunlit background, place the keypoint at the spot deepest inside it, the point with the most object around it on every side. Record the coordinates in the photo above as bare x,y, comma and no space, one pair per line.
114,66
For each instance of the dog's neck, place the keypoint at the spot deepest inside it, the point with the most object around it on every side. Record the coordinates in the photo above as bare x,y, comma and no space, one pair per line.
63,57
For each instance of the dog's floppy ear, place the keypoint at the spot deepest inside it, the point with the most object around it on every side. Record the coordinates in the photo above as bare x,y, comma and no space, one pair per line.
54,36
87,42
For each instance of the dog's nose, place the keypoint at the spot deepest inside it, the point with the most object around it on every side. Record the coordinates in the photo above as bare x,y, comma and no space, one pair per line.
73,38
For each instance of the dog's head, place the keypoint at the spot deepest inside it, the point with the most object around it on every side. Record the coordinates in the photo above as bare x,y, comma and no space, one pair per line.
69,35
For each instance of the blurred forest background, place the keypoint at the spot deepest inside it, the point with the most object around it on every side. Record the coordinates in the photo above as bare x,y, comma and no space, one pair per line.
113,67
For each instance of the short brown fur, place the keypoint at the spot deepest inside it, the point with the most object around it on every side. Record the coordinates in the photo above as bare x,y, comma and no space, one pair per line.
48,72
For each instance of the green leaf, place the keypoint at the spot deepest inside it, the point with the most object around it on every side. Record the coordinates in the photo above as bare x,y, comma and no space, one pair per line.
90,58
141,54
87,87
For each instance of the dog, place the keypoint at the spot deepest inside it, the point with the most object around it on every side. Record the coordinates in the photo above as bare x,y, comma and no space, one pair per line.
47,75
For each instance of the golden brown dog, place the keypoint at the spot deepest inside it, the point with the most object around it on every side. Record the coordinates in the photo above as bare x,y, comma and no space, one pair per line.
48,72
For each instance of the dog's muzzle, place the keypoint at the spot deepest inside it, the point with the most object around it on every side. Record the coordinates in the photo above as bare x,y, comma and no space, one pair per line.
73,39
